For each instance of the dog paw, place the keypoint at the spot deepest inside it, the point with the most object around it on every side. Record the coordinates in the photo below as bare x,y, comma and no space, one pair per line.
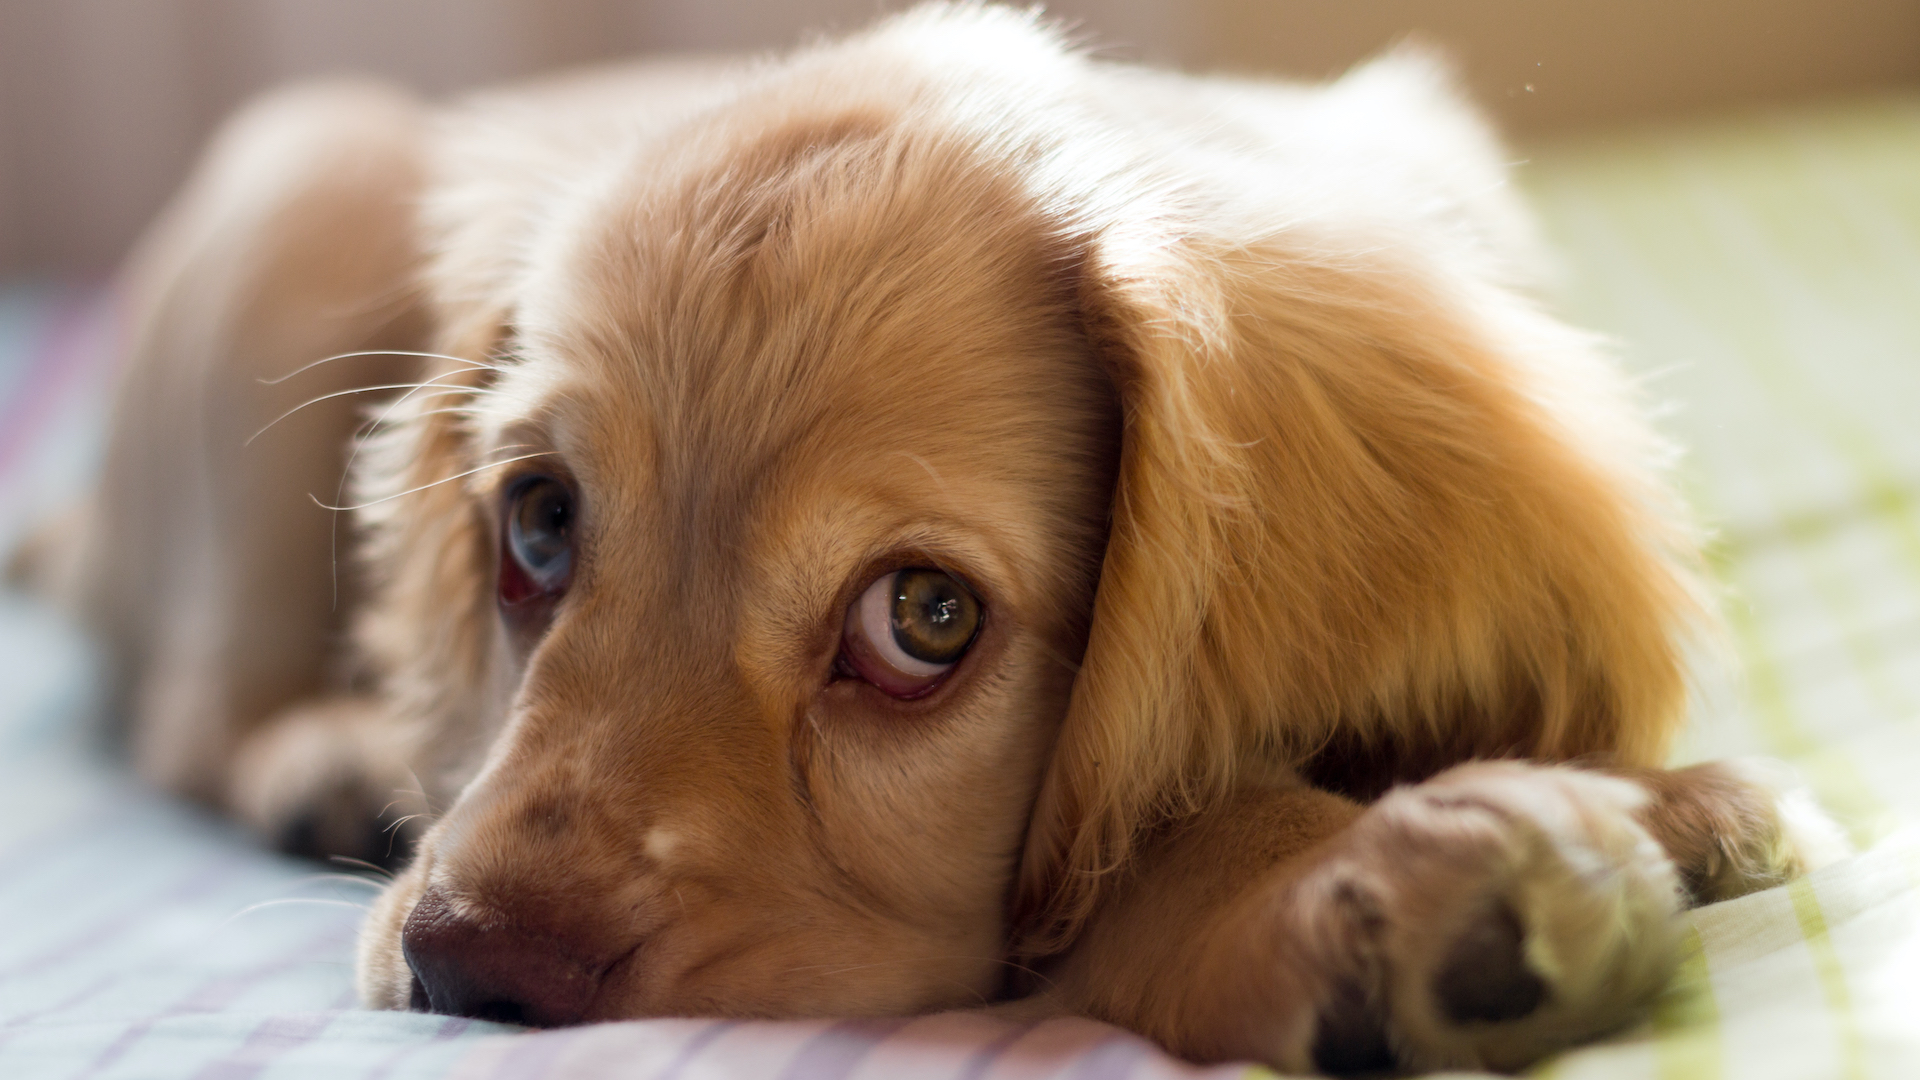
1488,917
316,781
1736,827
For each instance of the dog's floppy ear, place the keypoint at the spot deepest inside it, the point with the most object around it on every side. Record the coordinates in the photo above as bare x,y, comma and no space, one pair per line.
1362,502
426,548
427,630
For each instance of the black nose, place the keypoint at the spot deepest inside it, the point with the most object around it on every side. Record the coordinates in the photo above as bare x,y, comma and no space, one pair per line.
493,972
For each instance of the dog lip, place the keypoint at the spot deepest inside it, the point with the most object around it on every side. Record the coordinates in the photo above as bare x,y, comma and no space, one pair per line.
593,1011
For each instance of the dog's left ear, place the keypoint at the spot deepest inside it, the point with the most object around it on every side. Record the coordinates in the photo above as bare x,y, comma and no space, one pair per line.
1364,499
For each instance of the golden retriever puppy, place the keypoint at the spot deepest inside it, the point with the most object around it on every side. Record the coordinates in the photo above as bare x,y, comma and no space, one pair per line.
931,520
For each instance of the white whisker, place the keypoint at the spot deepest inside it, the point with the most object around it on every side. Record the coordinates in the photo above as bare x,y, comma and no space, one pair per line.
378,352
423,487
451,410
354,879
402,821
348,860
412,386
346,471
264,904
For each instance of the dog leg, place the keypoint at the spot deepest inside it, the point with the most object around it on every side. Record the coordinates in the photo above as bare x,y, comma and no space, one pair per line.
1483,919
208,571
1197,949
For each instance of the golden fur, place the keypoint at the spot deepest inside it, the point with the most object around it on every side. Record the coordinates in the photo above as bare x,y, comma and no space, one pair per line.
1226,399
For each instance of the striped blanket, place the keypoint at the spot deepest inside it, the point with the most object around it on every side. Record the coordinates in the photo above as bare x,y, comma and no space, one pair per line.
1764,275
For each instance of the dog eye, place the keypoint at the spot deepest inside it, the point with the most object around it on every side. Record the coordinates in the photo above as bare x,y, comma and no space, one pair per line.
909,629
539,540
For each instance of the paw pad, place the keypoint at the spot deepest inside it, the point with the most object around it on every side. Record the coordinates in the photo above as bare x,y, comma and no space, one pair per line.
1484,976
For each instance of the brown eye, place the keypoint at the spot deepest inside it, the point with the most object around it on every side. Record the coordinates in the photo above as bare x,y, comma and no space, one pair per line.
539,540
933,616
909,629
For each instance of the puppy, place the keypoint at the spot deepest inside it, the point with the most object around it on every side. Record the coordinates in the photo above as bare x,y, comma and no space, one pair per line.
931,520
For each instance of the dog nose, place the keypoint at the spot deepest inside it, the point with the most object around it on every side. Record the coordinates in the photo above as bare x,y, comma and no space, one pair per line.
464,968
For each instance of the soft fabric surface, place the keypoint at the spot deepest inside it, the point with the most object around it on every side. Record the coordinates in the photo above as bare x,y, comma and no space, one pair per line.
1764,274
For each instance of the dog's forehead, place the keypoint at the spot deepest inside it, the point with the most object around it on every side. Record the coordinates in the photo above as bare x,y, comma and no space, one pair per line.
849,276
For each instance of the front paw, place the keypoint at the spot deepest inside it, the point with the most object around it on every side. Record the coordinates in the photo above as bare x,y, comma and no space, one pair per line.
1736,827
1488,917
324,779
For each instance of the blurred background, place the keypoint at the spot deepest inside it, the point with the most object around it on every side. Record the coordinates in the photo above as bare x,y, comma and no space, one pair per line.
104,102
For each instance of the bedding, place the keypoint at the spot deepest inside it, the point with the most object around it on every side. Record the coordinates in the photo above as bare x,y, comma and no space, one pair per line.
1763,274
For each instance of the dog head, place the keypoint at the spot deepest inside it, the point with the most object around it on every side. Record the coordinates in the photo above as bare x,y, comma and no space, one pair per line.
860,504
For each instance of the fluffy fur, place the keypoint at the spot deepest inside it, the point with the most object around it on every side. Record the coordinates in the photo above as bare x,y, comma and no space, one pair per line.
1227,400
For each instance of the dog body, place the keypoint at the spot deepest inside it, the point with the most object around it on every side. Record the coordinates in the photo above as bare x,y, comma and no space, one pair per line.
1194,439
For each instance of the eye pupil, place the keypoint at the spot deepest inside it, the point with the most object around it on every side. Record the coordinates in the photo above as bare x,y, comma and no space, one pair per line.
935,618
540,528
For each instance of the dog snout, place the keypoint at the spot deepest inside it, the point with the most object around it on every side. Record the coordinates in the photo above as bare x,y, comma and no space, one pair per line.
494,970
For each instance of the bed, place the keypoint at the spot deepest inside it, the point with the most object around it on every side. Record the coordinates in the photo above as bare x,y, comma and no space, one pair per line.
1763,276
